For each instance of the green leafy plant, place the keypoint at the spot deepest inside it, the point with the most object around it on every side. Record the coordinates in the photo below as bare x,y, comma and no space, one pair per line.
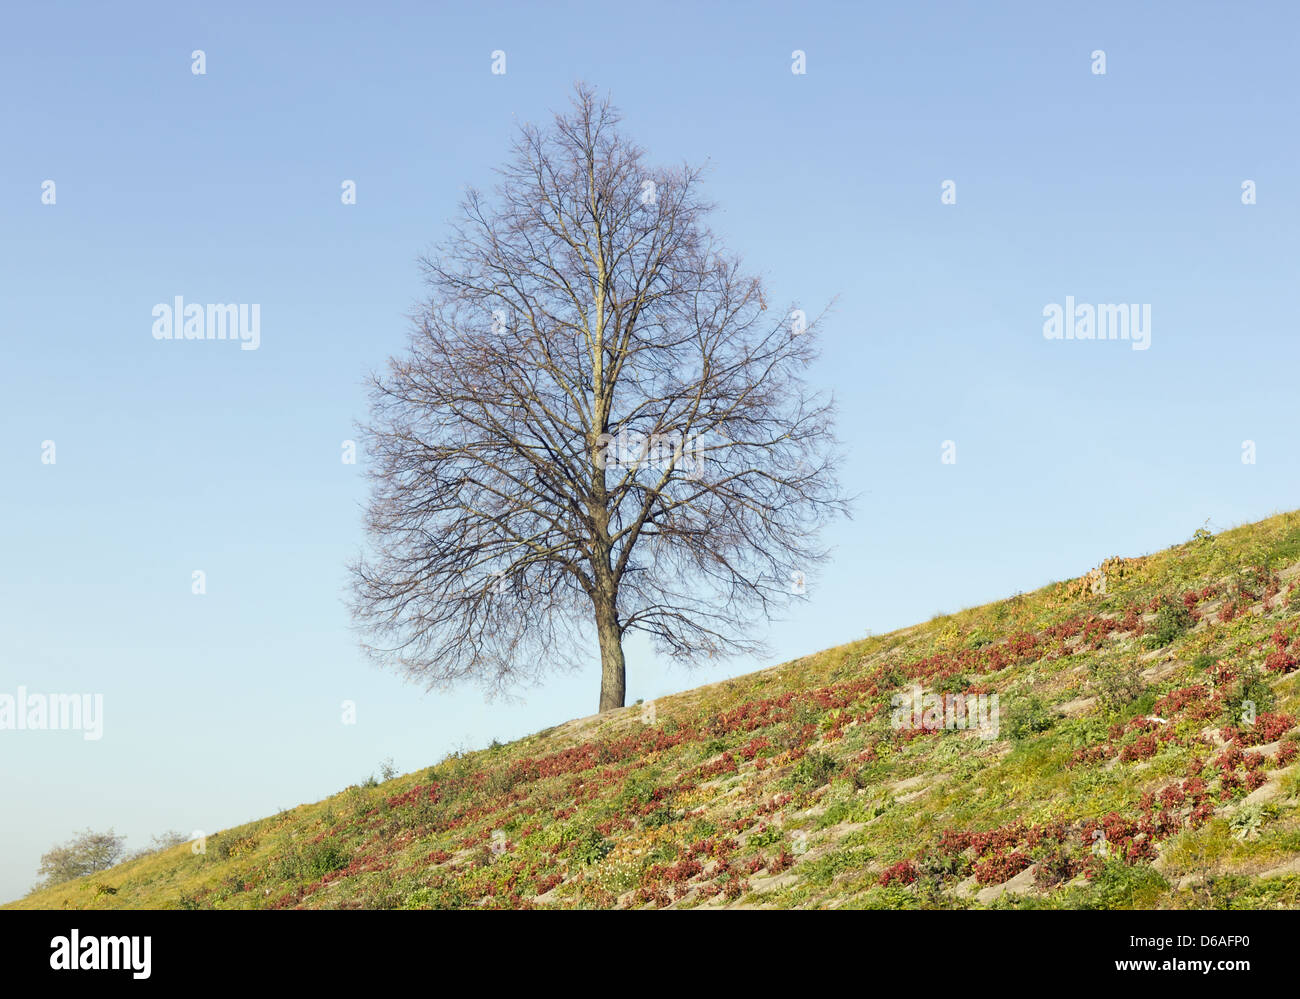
591,848
1028,716
1172,619
813,770
1116,685
1249,819
1253,697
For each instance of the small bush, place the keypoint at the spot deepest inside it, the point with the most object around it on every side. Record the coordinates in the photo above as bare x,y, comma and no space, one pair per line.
712,748
1118,885
158,843
591,848
1172,619
813,770
324,859
312,863
1028,716
1117,686
660,817
770,835
1255,697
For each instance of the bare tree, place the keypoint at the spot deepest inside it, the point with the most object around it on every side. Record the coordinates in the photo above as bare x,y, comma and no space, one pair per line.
87,853
599,423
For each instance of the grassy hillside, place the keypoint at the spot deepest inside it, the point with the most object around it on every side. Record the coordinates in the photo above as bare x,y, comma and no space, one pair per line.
1145,755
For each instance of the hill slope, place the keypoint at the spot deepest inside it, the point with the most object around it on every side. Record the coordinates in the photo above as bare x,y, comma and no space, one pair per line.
1140,751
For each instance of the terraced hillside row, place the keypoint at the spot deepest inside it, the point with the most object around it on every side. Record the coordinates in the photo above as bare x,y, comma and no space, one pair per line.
1127,738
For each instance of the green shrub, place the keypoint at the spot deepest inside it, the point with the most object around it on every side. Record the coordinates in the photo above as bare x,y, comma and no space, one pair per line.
1028,716
813,770
1254,693
1117,685
955,684
503,780
312,863
591,848
1172,619
767,837
324,858
442,896
660,817
1121,886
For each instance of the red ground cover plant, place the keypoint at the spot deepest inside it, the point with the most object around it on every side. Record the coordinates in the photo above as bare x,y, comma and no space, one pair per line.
783,861
904,872
1201,814
997,839
1057,867
1223,674
1177,701
1089,755
953,841
1143,748
714,846
999,866
725,764
755,746
1228,783
652,896
1229,759
1132,621
734,888
1281,661
1268,727
774,804
677,873
1195,788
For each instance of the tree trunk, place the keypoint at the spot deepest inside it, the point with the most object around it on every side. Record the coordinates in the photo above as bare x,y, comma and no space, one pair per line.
613,674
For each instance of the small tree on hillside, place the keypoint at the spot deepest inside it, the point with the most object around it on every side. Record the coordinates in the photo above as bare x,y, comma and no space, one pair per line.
84,854
158,843
599,425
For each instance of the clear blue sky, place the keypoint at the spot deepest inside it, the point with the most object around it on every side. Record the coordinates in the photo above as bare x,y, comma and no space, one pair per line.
171,457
